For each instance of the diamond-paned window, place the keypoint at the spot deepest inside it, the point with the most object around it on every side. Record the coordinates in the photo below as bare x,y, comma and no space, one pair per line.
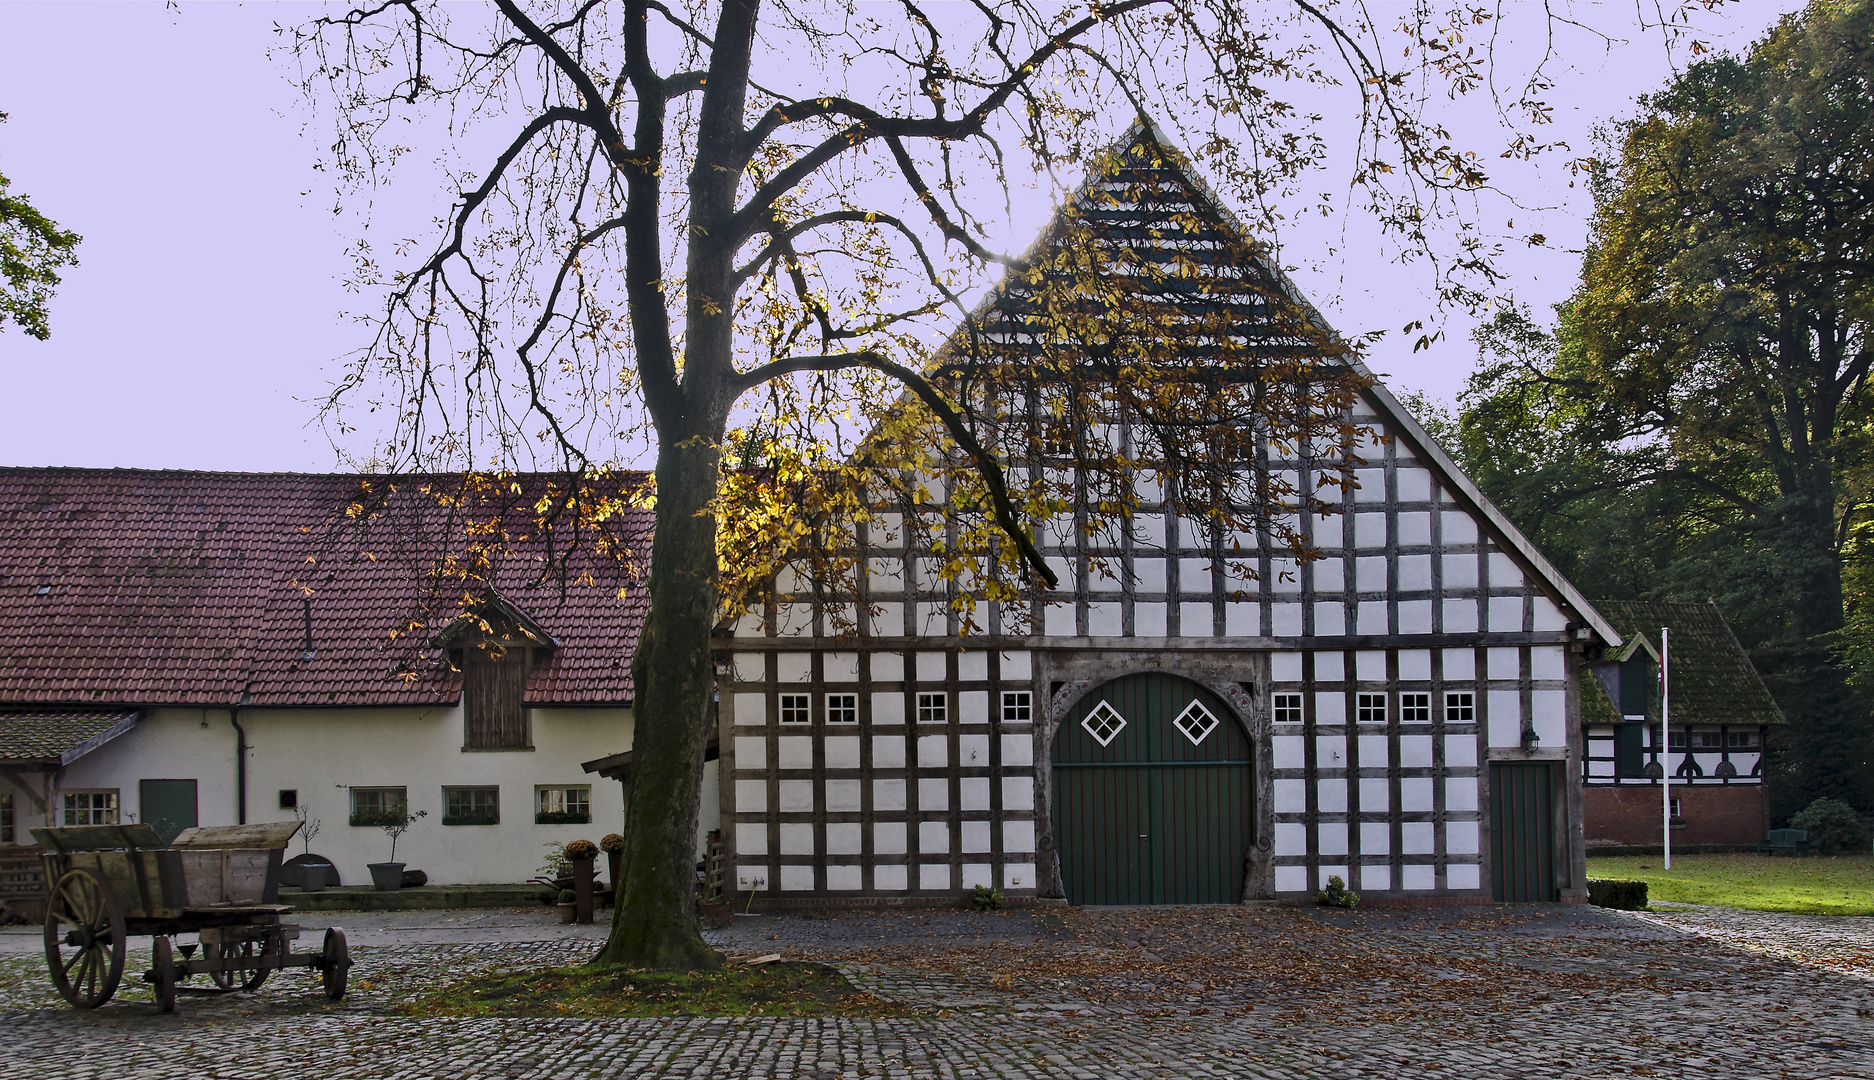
1104,723
1196,723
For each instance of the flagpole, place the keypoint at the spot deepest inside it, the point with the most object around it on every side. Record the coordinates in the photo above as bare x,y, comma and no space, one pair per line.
1665,739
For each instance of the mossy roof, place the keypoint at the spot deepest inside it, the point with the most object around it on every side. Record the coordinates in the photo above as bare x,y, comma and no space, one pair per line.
1712,679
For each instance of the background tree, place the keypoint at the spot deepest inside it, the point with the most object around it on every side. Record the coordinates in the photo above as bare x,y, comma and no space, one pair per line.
737,231
33,249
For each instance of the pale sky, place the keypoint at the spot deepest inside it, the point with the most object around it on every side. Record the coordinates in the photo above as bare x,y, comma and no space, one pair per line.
201,328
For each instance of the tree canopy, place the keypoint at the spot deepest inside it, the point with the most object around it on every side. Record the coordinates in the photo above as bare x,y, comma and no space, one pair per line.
33,249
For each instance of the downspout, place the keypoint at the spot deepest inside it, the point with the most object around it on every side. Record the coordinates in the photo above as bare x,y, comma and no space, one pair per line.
240,760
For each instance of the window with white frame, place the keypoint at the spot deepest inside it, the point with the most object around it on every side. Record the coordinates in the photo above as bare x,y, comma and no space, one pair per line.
842,708
378,806
933,708
569,805
471,806
1415,708
90,807
796,709
1018,707
1741,740
1286,708
1460,707
1370,708
6,819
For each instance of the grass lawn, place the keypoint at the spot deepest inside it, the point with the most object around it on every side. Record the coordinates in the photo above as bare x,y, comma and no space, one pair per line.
1840,885
776,989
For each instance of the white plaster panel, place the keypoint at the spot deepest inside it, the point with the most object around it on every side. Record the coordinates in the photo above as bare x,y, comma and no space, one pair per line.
1104,578
933,618
1415,751
797,878
1414,485
1506,721
1017,667
1291,838
751,710
887,666
888,838
1291,879
1372,618
1103,620
1375,795
1369,573
1415,616
1415,528
973,666
1461,838
840,666
842,796
1329,575
1330,751
1462,876
1330,708
796,796
1291,796
1548,662
1369,665
1420,877
973,839
1330,839
1193,532
751,796
751,752
1460,665
1504,573
887,708
1018,751
888,751
842,751
1285,620
1148,619
885,575
1148,530
1415,794
1375,838
1418,838
796,839
1374,751
751,839
1058,618
1239,619
1460,571
1415,665
933,838
1460,616
887,618
973,751
1371,485
1549,715
1286,666
1330,619
1018,793
890,878
1503,663
1287,752
842,838
973,793
1375,877
931,876
793,620
1018,838
978,873
1196,619
794,752
1194,575
1458,527
1329,667
1369,530
1460,751
793,667
933,667
1415,572
933,793
751,667
844,877
1547,615
1506,614
1284,577
1331,796
933,751
1018,875
972,706
1461,793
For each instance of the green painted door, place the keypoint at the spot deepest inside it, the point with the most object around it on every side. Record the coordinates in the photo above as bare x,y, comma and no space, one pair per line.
1153,795
1522,832
168,806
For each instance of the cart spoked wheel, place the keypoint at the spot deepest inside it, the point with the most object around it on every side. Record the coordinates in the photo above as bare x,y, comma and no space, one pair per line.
84,938
335,963
163,974
243,953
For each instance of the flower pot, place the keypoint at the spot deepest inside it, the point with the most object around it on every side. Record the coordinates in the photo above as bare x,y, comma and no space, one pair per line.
386,876
312,876
568,912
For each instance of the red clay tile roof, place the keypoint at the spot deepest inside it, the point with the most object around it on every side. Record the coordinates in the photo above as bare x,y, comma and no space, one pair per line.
123,586
58,736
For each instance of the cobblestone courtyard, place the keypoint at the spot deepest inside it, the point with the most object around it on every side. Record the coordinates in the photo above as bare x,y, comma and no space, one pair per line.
1277,992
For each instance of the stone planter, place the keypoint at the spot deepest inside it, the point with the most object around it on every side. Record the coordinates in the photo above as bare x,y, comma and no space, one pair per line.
386,876
568,912
312,876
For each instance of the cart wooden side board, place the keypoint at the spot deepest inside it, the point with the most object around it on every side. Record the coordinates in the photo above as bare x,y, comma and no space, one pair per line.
106,883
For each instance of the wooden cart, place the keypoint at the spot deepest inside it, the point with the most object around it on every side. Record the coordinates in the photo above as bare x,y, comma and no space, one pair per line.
106,883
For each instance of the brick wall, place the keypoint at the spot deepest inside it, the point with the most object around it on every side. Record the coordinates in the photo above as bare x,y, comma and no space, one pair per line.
1629,815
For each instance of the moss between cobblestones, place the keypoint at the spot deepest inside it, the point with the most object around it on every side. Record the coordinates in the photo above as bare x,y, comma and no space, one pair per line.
776,989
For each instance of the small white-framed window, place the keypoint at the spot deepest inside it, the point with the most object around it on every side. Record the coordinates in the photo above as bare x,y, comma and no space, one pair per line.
6,819
933,708
90,807
1370,708
1460,707
379,806
1708,740
1285,708
471,806
842,708
1415,708
1018,707
796,709
570,804
1741,740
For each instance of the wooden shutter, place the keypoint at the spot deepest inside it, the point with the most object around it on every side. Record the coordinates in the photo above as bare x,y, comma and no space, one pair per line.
494,708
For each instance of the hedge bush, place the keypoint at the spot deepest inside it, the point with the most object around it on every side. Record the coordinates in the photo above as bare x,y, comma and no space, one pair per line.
1613,893
1833,827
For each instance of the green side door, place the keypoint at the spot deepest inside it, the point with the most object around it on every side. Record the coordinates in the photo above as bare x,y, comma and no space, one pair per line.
1153,795
1522,832
168,806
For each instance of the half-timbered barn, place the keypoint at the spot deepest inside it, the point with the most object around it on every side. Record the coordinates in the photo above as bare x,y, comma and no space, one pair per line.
1167,726
1721,714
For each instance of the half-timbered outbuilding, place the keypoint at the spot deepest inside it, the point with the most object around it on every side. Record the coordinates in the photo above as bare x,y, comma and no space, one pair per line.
1167,726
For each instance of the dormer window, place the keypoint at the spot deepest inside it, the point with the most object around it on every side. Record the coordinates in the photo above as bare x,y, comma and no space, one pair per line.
495,645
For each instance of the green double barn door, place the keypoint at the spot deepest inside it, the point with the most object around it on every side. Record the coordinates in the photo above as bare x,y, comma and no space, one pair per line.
1154,795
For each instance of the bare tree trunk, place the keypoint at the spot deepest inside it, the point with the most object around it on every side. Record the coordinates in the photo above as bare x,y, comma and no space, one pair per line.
654,921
